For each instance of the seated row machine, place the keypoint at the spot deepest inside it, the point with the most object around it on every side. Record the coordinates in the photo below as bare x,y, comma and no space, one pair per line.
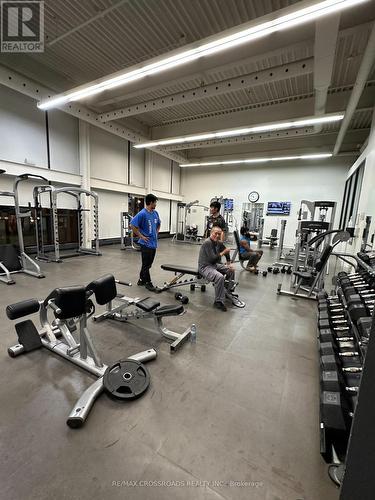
118,307
67,336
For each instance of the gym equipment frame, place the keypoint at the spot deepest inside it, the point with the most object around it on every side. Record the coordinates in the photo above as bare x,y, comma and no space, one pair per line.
127,237
22,263
76,193
181,236
105,292
69,306
316,274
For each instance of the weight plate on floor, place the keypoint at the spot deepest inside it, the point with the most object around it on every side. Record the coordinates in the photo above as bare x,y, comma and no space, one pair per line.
127,379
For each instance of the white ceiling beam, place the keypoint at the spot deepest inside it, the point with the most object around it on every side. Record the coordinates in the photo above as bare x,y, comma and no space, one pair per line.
243,82
326,34
279,151
363,73
36,91
264,136
305,47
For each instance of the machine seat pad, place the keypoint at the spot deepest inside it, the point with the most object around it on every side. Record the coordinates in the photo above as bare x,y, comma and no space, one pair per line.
71,300
170,310
23,308
104,289
303,274
180,269
147,304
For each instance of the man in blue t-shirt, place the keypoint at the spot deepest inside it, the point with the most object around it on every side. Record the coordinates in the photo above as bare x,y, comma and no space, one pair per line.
146,226
247,253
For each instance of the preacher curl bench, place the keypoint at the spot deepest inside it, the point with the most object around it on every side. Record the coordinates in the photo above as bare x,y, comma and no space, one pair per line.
67,336
105,292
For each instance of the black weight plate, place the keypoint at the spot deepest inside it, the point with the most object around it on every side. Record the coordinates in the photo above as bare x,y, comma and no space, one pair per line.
126,379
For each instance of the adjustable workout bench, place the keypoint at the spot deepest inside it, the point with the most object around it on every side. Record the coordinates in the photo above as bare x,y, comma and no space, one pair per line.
197,281
105,292
71,308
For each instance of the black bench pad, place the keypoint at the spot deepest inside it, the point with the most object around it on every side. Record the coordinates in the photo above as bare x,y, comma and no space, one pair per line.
180,269
303,274
169,310
147,304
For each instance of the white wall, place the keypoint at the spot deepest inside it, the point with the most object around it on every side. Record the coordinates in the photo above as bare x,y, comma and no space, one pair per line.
274,183
137,167
108,156
22,129
163,211
110,206
23,136
161,173
64,141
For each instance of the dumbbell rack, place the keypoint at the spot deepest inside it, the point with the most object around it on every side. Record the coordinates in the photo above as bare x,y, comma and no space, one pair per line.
335,422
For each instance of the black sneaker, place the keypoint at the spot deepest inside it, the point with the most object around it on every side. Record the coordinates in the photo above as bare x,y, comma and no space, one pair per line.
140,283
220,305
150,287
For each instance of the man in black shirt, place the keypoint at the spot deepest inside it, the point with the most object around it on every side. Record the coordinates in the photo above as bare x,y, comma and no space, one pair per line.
210,267
215,219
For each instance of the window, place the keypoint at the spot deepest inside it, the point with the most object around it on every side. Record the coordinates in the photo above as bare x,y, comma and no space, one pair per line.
351,197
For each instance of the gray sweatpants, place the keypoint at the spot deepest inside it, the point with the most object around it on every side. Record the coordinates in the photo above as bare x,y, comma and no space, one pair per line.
217,274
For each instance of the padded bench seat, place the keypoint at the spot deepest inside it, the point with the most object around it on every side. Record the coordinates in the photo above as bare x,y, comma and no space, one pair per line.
180,269
147,304
303,274
169,310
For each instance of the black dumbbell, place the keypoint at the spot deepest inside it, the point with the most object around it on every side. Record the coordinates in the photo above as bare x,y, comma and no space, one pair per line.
181,298
328,335
256,271
289,270
264,273
336,415
275,270
336,381
269,269
347,349
283,270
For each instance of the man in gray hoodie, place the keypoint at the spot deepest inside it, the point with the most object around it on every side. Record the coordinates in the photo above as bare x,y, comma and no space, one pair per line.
210,267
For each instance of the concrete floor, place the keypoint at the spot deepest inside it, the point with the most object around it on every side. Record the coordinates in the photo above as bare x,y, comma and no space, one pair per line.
239,405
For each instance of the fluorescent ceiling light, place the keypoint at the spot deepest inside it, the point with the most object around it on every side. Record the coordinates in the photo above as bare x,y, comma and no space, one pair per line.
267,127
258,160
294,18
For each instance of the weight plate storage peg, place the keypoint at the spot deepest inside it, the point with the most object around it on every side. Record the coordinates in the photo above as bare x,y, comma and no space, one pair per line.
126,380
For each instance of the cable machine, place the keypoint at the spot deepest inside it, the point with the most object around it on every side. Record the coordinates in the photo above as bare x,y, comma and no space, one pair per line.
77,194
13,260
189,233
127,237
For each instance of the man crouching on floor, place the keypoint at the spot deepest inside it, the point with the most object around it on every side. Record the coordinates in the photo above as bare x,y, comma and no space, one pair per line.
210,267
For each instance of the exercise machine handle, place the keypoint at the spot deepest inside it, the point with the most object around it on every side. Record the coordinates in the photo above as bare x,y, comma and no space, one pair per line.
54,306
123,283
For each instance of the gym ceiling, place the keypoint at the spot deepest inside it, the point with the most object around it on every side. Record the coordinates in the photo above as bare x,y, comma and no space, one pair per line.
301,71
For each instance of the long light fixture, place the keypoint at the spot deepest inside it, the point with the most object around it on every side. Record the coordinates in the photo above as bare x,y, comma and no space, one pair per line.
212,45
258,160
267,127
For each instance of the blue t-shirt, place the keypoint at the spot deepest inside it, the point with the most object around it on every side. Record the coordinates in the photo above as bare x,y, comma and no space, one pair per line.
244,238
147,222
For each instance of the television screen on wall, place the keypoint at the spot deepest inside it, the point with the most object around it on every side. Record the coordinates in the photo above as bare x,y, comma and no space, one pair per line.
278,208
